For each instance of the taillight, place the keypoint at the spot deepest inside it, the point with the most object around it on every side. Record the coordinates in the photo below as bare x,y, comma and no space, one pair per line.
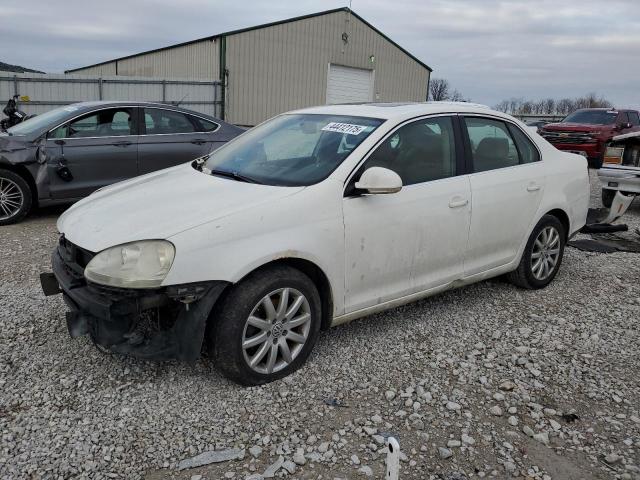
613,155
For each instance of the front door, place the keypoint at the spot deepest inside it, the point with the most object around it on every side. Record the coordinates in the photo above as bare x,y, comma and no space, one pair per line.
507,184
413,240
89,152
171,138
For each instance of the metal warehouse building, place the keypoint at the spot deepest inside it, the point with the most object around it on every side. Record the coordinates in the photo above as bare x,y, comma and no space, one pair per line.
329,57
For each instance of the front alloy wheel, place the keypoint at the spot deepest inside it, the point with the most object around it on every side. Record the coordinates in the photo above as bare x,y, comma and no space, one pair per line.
264,327
15,197
276,330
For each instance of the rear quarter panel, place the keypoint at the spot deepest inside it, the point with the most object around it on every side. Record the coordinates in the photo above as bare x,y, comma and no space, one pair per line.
567,187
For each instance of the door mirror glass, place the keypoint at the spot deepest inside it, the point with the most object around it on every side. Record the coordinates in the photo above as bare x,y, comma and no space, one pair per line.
379,180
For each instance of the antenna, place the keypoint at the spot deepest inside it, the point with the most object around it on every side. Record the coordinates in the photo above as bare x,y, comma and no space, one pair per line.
180,101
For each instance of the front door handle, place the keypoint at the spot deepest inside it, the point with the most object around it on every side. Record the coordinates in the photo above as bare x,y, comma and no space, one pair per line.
457,202
124,143
198,141
533,187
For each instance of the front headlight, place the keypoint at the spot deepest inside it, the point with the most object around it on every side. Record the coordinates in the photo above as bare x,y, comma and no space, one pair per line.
143,264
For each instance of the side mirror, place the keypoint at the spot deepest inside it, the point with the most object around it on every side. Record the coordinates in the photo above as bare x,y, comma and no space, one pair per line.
378,180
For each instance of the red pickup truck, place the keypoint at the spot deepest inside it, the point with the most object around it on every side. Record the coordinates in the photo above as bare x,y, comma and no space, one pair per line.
589,130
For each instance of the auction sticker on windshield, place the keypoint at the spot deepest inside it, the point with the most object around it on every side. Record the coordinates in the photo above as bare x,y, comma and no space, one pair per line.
347,128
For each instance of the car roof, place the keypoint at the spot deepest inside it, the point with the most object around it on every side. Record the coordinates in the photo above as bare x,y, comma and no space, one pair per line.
399,111
115,103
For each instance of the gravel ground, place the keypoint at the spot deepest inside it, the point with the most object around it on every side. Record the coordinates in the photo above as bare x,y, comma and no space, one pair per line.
484,381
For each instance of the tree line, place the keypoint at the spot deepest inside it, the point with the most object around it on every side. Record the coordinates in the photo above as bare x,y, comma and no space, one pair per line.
551,106
440,90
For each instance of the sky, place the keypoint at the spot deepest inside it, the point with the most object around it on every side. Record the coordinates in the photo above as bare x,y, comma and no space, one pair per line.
489,50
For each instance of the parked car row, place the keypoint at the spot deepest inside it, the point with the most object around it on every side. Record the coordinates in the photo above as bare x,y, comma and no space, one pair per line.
312,219
66,154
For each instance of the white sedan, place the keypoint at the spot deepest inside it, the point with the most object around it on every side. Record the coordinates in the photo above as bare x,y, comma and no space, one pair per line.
312,219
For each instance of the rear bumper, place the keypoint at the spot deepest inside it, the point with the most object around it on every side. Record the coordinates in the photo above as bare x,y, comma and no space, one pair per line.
159,324
624,180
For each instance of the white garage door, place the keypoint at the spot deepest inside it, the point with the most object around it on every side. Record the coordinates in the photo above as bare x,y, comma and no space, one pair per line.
349,85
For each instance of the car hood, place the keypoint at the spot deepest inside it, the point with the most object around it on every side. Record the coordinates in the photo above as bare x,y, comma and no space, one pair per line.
159,205
9,144
575,127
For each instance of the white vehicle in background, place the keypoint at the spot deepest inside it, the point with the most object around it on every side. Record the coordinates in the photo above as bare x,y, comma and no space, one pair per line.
312,219
620,170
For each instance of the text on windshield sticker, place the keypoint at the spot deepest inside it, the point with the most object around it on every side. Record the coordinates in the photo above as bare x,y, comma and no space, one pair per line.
347,128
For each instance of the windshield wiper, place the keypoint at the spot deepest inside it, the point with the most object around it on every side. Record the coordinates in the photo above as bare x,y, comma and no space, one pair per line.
235,176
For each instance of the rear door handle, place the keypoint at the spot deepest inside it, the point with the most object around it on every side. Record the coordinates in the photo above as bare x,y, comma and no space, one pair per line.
457,202
533,187
124,143
198,141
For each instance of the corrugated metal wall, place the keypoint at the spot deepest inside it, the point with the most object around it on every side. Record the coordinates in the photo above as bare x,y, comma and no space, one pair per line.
283,67
48,91
196,60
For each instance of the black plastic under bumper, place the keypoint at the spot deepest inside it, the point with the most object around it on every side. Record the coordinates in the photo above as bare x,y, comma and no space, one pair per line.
158,324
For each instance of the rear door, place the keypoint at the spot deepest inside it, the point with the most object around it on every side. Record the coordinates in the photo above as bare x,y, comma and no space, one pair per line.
171,137
507,184
88,152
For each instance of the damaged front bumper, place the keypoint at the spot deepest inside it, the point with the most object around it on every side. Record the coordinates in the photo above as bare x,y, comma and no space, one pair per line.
158,324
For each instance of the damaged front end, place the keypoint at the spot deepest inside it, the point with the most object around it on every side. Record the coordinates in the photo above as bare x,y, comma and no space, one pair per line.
156,324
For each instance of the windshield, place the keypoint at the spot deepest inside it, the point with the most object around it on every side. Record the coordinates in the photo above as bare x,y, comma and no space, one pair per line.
43,121
291,150
592,117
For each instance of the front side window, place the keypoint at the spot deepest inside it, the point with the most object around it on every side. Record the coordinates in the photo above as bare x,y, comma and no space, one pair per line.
419,152
111,122
634,118
158,122
491,144
623,118
292,149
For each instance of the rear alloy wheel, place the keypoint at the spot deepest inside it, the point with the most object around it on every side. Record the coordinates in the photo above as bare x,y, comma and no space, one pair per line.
266,326
15,197
542,255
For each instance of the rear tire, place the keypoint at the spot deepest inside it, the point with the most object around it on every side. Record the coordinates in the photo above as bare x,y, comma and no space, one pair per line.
265,327
607,197
15,197
542,255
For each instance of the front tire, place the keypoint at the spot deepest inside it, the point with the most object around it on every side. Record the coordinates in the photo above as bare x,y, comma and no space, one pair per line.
542,255
266,326
15,197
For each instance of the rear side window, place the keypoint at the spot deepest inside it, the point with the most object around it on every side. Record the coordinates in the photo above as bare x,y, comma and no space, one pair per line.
165,122
527,151
205,125
634,118
492,146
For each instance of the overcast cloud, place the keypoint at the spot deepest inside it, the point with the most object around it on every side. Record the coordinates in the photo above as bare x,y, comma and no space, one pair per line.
488,49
